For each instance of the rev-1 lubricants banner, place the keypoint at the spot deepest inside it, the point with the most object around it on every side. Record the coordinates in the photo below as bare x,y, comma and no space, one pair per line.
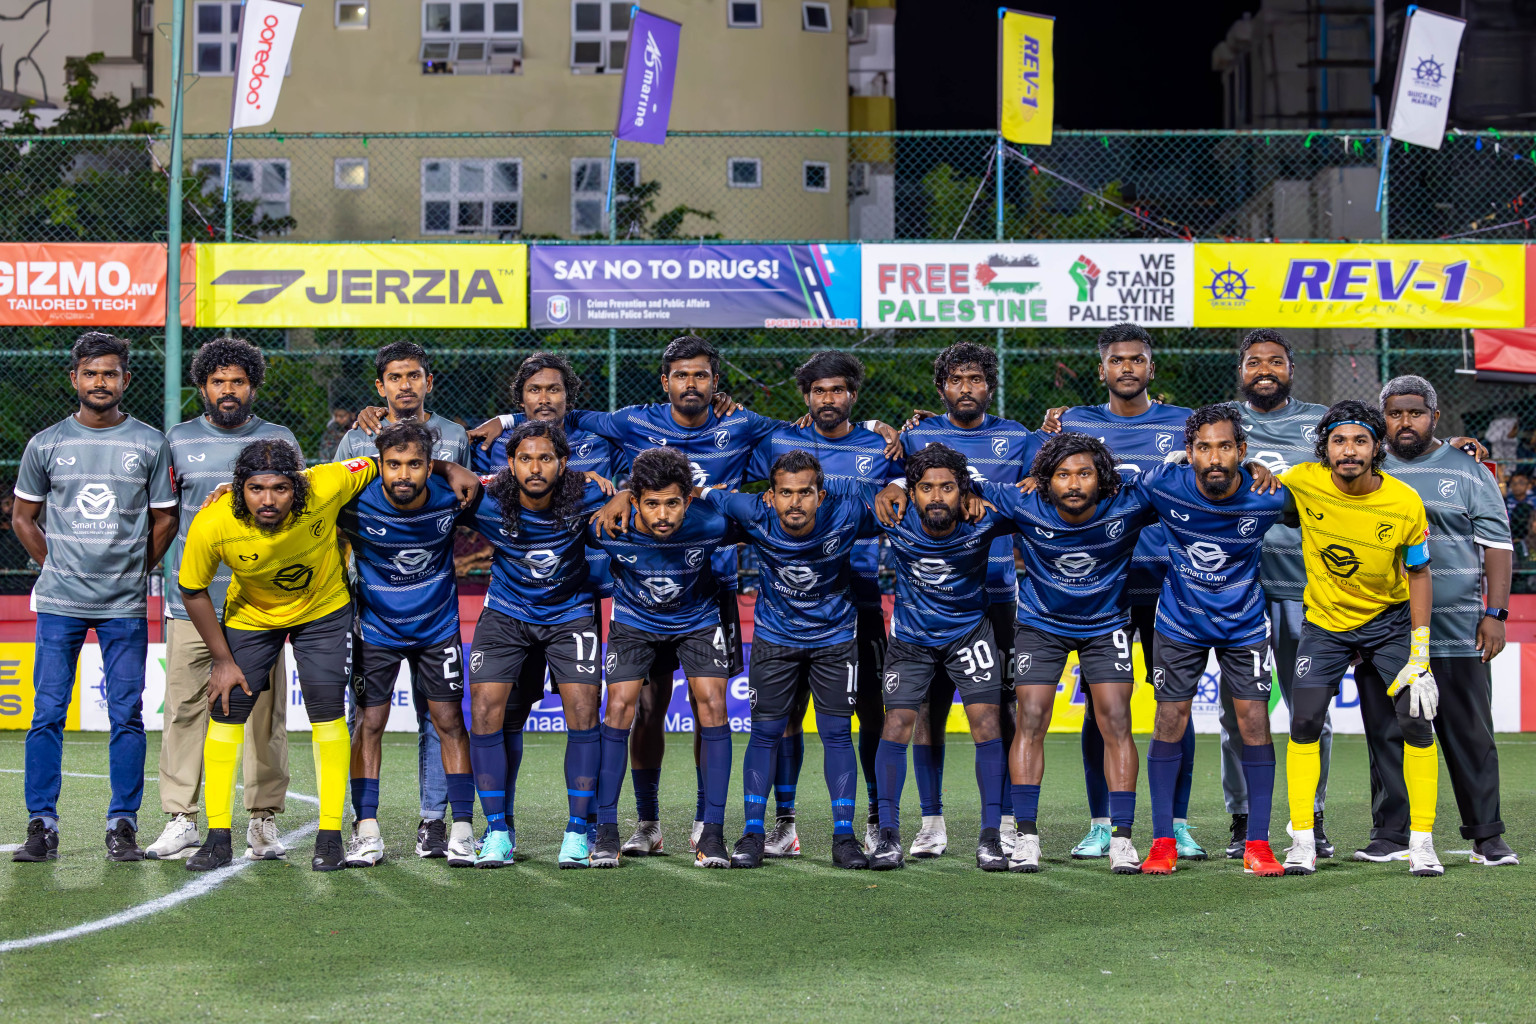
1365,285
1027,284
281,285
694,286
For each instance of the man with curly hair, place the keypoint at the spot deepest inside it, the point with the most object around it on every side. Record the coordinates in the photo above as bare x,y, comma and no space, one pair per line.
227,373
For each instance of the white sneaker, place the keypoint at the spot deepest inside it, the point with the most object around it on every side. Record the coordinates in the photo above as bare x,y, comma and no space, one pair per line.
177,842
871,837
645,842
931,840
1123,859
782,841
366,847
1025,856
1421,855
693,837
261,841
1008,833
461,845
1301,856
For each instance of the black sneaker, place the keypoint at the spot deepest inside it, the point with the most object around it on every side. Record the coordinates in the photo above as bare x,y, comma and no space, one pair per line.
847,853
749,851
1320,838
887,855
1493,852
329,853
123,842
989,851
42,843
604,851
711,849
431,839
217,850
1238,844
1380,851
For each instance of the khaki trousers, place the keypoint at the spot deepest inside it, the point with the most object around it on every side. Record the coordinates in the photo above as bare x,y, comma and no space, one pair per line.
187,669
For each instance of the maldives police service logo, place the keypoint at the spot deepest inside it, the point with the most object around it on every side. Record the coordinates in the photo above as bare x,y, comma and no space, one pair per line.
1114,528
1076,565
96,501
1246,526
722,438
1000,446
559,309
1447,488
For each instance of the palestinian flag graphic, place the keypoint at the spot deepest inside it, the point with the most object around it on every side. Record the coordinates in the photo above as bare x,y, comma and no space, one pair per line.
1017,274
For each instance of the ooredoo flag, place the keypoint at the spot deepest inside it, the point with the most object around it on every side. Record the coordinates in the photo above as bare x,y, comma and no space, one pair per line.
1421,99
266,40
1026,89
650,66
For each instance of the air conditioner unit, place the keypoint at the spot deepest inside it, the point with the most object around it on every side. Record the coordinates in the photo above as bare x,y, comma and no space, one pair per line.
858,179
858,25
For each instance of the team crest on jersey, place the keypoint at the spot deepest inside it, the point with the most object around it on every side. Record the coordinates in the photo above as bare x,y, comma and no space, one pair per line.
410,561
1246,526
830,545
1022,667
752,697
96,501
317,529
1447,488
799,577
892,680
1157,679
293,577
584,450
1309,435
478,658
663,589
863,463
1076,565
1114,528
356,465
1164,443
1303,666
932,571
1384,530
1000,446
610,663
693,556
1205,556
700,475
131,461
444,523
541,563
722,438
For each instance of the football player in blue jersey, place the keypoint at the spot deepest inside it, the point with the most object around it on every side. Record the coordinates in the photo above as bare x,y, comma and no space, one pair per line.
539,606
997,451
665,604
544,389
804,638
848,453
941,620
1141,433
1212,601
401,531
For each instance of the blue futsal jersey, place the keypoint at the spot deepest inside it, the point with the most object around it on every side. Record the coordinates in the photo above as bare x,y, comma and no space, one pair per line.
1139,443
941,582
858,459
1074,575
1211,596
804,597
999,451
539,570
667,585
406,594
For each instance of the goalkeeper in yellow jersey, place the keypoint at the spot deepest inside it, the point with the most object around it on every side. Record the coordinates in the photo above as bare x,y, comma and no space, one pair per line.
276,530
1364,539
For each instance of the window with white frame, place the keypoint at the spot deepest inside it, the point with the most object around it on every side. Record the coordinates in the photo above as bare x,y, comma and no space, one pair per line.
351,173
351,14
744,172
816,176
472,37
744,13
816,17
264,182
215,36
599,33
471,196
589,191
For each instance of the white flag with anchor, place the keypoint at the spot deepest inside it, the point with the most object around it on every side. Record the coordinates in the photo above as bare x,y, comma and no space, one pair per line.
1421,98
266,40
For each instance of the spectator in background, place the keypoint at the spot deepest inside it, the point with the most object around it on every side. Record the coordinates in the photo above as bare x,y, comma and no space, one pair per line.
1519,501
1521,506
335,430
471,555
17,570
1503,439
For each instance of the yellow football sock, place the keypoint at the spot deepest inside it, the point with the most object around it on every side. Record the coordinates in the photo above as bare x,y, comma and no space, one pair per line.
221,755
1303,767
333,755
1421,774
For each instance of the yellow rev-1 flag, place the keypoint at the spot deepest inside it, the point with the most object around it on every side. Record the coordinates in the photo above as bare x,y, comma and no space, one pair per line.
1026,89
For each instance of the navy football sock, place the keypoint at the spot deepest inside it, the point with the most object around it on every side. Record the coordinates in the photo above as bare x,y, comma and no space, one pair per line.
1122,811
1163,760
1093,770
612,760
786,774
647,783
1007,734
757,767
1259,773
698,774
461,795
488,756
928,770
989,781
840,768
360,797
1186,780
891,769
514,741
1026,807
716,755
583,752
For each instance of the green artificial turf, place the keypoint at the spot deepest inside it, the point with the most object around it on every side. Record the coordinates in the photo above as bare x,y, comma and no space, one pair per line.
799,940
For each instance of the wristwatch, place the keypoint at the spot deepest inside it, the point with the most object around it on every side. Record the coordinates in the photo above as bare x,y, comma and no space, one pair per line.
1502,614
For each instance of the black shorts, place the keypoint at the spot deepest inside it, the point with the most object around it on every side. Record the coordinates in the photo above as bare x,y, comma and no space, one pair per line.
1177,669
777,674
322,649
1039,657
1323,656
972,662
436,669
702,654
504,645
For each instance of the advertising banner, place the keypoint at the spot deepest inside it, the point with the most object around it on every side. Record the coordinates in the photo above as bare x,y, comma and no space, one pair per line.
1359,285
1029,284
645,103
1426,70
395,285
694,286
109,284
1026,70
266,41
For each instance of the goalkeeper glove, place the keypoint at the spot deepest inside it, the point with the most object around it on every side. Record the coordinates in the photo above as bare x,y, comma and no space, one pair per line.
1423,694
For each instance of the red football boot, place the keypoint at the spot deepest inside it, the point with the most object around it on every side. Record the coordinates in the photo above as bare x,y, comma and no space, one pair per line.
1163,858
1259,859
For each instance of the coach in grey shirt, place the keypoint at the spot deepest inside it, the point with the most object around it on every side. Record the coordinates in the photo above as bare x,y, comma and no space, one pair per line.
105,479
